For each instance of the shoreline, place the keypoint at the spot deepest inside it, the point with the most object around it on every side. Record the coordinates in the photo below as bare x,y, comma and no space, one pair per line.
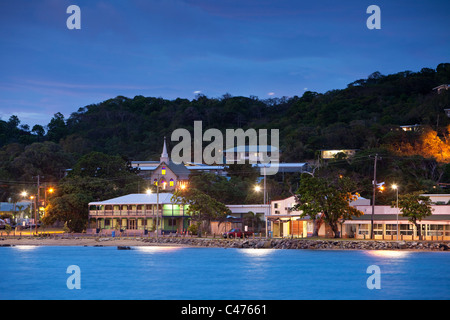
315,244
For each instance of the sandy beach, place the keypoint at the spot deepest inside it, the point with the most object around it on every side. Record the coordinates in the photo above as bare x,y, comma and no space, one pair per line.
321,244
78,242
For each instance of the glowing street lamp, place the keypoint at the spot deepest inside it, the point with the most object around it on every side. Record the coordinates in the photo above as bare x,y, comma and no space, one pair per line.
258,189
394,186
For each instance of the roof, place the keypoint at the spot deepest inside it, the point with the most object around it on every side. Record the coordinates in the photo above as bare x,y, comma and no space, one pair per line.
442,86
200,168
252,148
179,170
287,167
393,217
137,198
8,206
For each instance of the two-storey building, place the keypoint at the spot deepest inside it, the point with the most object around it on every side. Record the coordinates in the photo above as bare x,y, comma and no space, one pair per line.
138,214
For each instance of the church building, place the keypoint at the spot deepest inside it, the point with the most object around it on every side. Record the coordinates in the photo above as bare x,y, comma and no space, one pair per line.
164,173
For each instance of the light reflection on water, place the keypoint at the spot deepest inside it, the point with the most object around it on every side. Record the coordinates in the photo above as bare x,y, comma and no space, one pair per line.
156,249
25,247
388,253
256,252
33,272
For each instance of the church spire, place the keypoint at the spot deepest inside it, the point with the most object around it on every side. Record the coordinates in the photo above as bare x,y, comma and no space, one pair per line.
164,154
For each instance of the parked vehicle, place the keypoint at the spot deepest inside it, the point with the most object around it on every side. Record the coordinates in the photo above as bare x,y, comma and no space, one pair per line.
3,224
237,233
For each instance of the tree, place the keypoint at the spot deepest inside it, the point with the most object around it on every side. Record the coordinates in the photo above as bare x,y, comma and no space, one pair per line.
415,207
228,191
41,158
326,200
13,122
201,207
253,220
57,128
70,208
39,131
100,165
95,177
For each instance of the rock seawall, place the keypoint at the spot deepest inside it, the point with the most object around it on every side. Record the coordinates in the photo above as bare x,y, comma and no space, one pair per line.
305,244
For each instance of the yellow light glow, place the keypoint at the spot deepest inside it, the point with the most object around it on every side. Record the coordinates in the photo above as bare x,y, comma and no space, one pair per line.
156,249
25,247
256,252
257,188
388,253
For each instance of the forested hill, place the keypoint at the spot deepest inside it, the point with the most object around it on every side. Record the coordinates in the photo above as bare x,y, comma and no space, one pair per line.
358,117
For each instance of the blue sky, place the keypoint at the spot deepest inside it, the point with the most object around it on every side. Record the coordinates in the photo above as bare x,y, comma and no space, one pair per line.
178,48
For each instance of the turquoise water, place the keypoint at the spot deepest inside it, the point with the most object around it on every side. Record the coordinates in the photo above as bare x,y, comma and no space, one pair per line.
178,273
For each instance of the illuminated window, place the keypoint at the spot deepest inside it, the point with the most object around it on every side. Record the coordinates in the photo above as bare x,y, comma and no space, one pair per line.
171,183
155,182
163,170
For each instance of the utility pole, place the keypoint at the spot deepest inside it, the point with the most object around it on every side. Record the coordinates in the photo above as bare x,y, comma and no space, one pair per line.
157,207
374,193
36,208
265,211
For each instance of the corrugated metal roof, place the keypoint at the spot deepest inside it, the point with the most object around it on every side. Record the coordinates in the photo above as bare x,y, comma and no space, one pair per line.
137,198
7,206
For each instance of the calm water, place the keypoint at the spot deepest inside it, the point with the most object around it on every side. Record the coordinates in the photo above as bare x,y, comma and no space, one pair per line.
28,272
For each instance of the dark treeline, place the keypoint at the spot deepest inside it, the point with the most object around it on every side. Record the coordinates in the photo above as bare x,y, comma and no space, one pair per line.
365,116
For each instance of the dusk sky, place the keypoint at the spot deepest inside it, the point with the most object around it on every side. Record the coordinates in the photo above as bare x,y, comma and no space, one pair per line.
179,48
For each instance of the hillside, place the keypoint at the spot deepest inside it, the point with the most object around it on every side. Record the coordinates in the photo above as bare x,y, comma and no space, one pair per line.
356,117
365,116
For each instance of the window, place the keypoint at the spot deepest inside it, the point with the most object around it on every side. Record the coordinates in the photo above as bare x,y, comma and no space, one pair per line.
406,229
391,229
378,229
437,229
275,205
171,183
163,170
155,182
363,229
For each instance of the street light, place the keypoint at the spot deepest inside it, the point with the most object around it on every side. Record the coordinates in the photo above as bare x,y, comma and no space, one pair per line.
394,186
258,189
33,198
